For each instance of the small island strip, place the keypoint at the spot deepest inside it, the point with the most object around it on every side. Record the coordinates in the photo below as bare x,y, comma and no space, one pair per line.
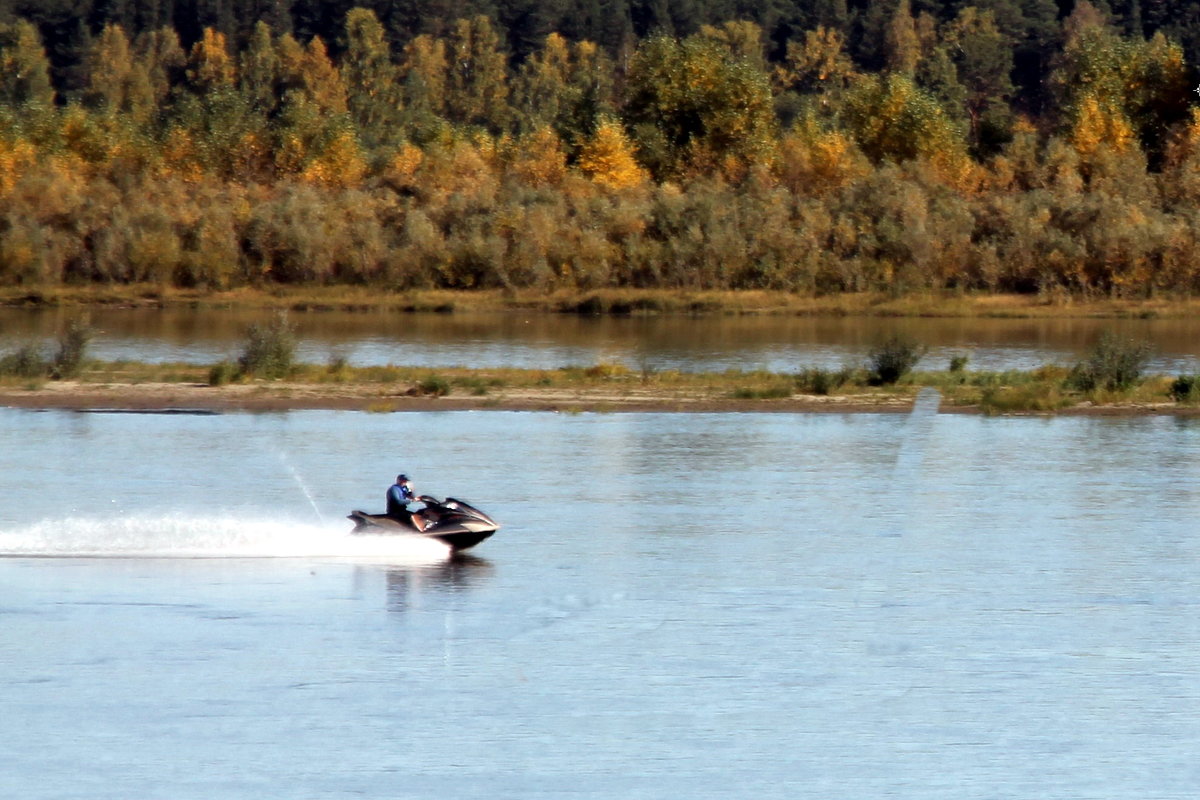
179,388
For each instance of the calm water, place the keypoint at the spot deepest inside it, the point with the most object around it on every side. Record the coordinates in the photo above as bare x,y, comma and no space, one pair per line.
780,344
679,606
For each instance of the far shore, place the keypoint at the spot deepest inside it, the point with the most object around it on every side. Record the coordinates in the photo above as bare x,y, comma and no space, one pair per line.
279,396
620,302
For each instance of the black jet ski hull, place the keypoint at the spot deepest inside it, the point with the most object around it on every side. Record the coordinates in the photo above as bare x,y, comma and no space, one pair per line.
454,523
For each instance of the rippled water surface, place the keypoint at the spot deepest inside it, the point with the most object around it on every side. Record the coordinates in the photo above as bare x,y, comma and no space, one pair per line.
702,606
547,341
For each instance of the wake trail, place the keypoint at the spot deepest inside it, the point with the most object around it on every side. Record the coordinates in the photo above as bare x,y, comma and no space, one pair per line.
182,536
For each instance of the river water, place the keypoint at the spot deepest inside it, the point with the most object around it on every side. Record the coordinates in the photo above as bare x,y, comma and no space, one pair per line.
549,341
705,606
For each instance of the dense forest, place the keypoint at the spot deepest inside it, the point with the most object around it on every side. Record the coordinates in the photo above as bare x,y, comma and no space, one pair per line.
829,146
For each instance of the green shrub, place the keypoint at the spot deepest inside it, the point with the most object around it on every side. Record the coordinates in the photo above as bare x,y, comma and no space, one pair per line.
777,392
221,374
1114,365
476,386
821,381
27,361
269,350
892,359
1185,389
959,363
1032,397
338,368
72,348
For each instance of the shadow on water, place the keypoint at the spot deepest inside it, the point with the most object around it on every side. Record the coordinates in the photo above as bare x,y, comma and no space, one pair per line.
405,587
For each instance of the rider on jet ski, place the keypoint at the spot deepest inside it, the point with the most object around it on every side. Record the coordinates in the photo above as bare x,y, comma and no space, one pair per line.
399,495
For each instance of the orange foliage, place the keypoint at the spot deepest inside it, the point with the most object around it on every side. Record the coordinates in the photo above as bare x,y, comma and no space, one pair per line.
16,158
1099,125
210,66
402,169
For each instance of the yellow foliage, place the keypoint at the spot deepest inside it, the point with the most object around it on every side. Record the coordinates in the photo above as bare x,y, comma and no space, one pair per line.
556,55
16,158
1099,125
210,66
340,164
403,166
814,162
958,170
463,168
607,158
291,154
322,80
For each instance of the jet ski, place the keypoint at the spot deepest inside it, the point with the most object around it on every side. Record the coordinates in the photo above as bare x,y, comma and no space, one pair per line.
456,523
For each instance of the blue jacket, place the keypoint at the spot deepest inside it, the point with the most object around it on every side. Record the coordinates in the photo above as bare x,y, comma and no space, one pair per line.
398,498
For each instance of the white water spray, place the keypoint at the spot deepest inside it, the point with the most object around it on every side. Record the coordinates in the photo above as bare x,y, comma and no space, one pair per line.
300,482
175,536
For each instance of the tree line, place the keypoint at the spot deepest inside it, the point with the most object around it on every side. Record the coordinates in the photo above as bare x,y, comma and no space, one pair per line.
895,146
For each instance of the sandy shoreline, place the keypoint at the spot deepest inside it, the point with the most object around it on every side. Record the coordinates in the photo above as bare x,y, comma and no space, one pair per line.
281,396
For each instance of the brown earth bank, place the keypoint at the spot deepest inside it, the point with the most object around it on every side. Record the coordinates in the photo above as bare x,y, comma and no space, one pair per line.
285,396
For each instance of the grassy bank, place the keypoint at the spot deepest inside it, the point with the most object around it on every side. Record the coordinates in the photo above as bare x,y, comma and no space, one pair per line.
604,301
598,387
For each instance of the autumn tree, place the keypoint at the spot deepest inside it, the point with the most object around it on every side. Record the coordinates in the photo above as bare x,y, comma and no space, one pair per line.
902,47
321,80
813,76
742,38
816,159
259,70
477,77
692,102
539,158
210,66
314,114
423,73
607,157
371,78
892,119
565,85
215,127
540,86
1107,85
118,82
983,60
24,69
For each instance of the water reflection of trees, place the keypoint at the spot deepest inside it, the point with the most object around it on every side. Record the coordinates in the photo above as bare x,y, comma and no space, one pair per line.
406,586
